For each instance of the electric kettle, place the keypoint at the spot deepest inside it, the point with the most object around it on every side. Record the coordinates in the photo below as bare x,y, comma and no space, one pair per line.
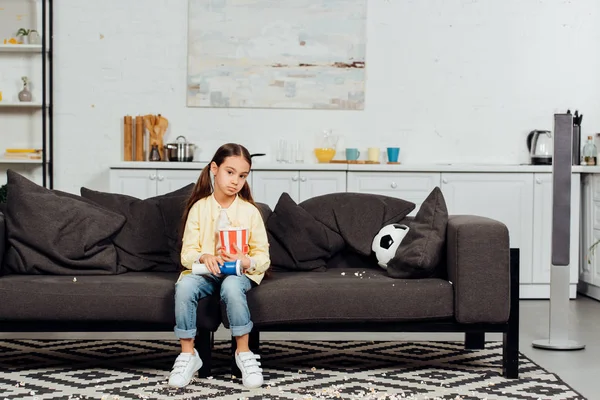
540,145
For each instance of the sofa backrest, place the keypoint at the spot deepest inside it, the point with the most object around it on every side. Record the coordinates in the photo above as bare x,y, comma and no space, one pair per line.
265,211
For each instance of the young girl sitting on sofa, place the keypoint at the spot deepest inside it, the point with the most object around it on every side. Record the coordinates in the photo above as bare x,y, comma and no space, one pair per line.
230,167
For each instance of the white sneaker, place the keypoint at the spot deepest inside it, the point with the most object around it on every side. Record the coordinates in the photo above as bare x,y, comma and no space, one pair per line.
186,365
249,365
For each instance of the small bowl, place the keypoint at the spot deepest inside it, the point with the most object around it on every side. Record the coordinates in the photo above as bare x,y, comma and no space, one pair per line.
324,154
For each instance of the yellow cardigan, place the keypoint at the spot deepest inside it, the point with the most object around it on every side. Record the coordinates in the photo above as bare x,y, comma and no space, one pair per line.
199,233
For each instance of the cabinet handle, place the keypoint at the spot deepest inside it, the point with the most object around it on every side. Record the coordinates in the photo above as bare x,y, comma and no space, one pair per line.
152,177
303,179
160,177
394,185
295,178
538,180
444,180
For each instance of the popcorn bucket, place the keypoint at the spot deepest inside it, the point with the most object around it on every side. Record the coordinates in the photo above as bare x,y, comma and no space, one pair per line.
234,236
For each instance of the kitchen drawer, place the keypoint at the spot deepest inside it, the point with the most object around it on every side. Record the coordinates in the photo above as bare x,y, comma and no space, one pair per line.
409,186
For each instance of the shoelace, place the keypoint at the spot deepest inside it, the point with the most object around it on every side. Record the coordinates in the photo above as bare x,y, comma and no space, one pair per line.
180,365
251,364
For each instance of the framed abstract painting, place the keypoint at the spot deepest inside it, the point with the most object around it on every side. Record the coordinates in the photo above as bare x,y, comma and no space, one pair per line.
297,54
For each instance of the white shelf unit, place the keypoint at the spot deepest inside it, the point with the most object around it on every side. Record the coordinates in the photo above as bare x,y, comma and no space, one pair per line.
27,124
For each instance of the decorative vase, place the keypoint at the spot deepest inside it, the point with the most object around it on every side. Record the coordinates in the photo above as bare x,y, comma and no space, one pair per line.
34,38
25,94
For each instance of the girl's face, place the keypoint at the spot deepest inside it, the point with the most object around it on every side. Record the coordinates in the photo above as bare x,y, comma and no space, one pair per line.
231,175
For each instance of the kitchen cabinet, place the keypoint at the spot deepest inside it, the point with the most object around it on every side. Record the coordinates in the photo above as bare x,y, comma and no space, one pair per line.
145,183
267,186
522,201
589,269
505,197
411,186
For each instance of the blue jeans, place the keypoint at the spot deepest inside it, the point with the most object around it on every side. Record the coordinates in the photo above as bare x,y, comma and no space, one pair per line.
191,288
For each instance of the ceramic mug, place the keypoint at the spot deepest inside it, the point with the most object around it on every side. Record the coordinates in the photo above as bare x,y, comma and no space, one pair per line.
393,153
373,154
352,154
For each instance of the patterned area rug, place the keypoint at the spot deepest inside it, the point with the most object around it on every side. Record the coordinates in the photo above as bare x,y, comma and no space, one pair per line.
110,370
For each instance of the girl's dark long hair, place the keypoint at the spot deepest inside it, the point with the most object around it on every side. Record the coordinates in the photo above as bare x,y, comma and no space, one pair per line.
204,186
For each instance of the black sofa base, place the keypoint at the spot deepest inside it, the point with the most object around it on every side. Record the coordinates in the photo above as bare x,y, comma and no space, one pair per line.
474,333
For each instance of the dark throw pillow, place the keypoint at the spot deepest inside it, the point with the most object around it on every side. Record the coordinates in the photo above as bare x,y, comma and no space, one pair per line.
422,249
172,206
298,241
357,217
57,233
148,239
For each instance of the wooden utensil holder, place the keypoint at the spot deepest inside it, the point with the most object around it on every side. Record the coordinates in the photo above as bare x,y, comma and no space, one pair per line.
128,138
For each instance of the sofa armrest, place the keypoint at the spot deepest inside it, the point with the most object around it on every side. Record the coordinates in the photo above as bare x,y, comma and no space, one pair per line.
478,260
3,238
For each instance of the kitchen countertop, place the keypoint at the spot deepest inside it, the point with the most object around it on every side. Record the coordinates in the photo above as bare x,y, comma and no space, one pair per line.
449,167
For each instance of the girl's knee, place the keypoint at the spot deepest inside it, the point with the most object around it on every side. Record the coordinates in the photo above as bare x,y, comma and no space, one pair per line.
185,289
233,286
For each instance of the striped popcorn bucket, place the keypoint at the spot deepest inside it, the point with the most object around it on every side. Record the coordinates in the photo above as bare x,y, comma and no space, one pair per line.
234,236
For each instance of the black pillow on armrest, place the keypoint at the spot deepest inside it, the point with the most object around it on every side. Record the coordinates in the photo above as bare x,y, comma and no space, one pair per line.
53,232
423,248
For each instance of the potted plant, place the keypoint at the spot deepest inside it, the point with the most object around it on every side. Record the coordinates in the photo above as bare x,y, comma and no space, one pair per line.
24,35
29,36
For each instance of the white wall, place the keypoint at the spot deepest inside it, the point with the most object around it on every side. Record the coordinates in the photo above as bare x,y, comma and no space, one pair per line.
447,80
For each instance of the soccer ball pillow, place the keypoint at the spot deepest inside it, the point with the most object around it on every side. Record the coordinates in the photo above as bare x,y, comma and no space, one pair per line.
386,242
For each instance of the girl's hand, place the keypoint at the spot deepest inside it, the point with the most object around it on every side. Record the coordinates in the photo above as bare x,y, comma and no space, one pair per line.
245,260
212,263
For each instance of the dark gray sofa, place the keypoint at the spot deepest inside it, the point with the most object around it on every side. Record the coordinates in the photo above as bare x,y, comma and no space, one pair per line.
475,289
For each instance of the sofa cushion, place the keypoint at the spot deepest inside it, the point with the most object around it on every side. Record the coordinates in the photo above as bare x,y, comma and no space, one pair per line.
265,211
149,238
132,297
359,295
52,232
423,247
357,217
299,242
